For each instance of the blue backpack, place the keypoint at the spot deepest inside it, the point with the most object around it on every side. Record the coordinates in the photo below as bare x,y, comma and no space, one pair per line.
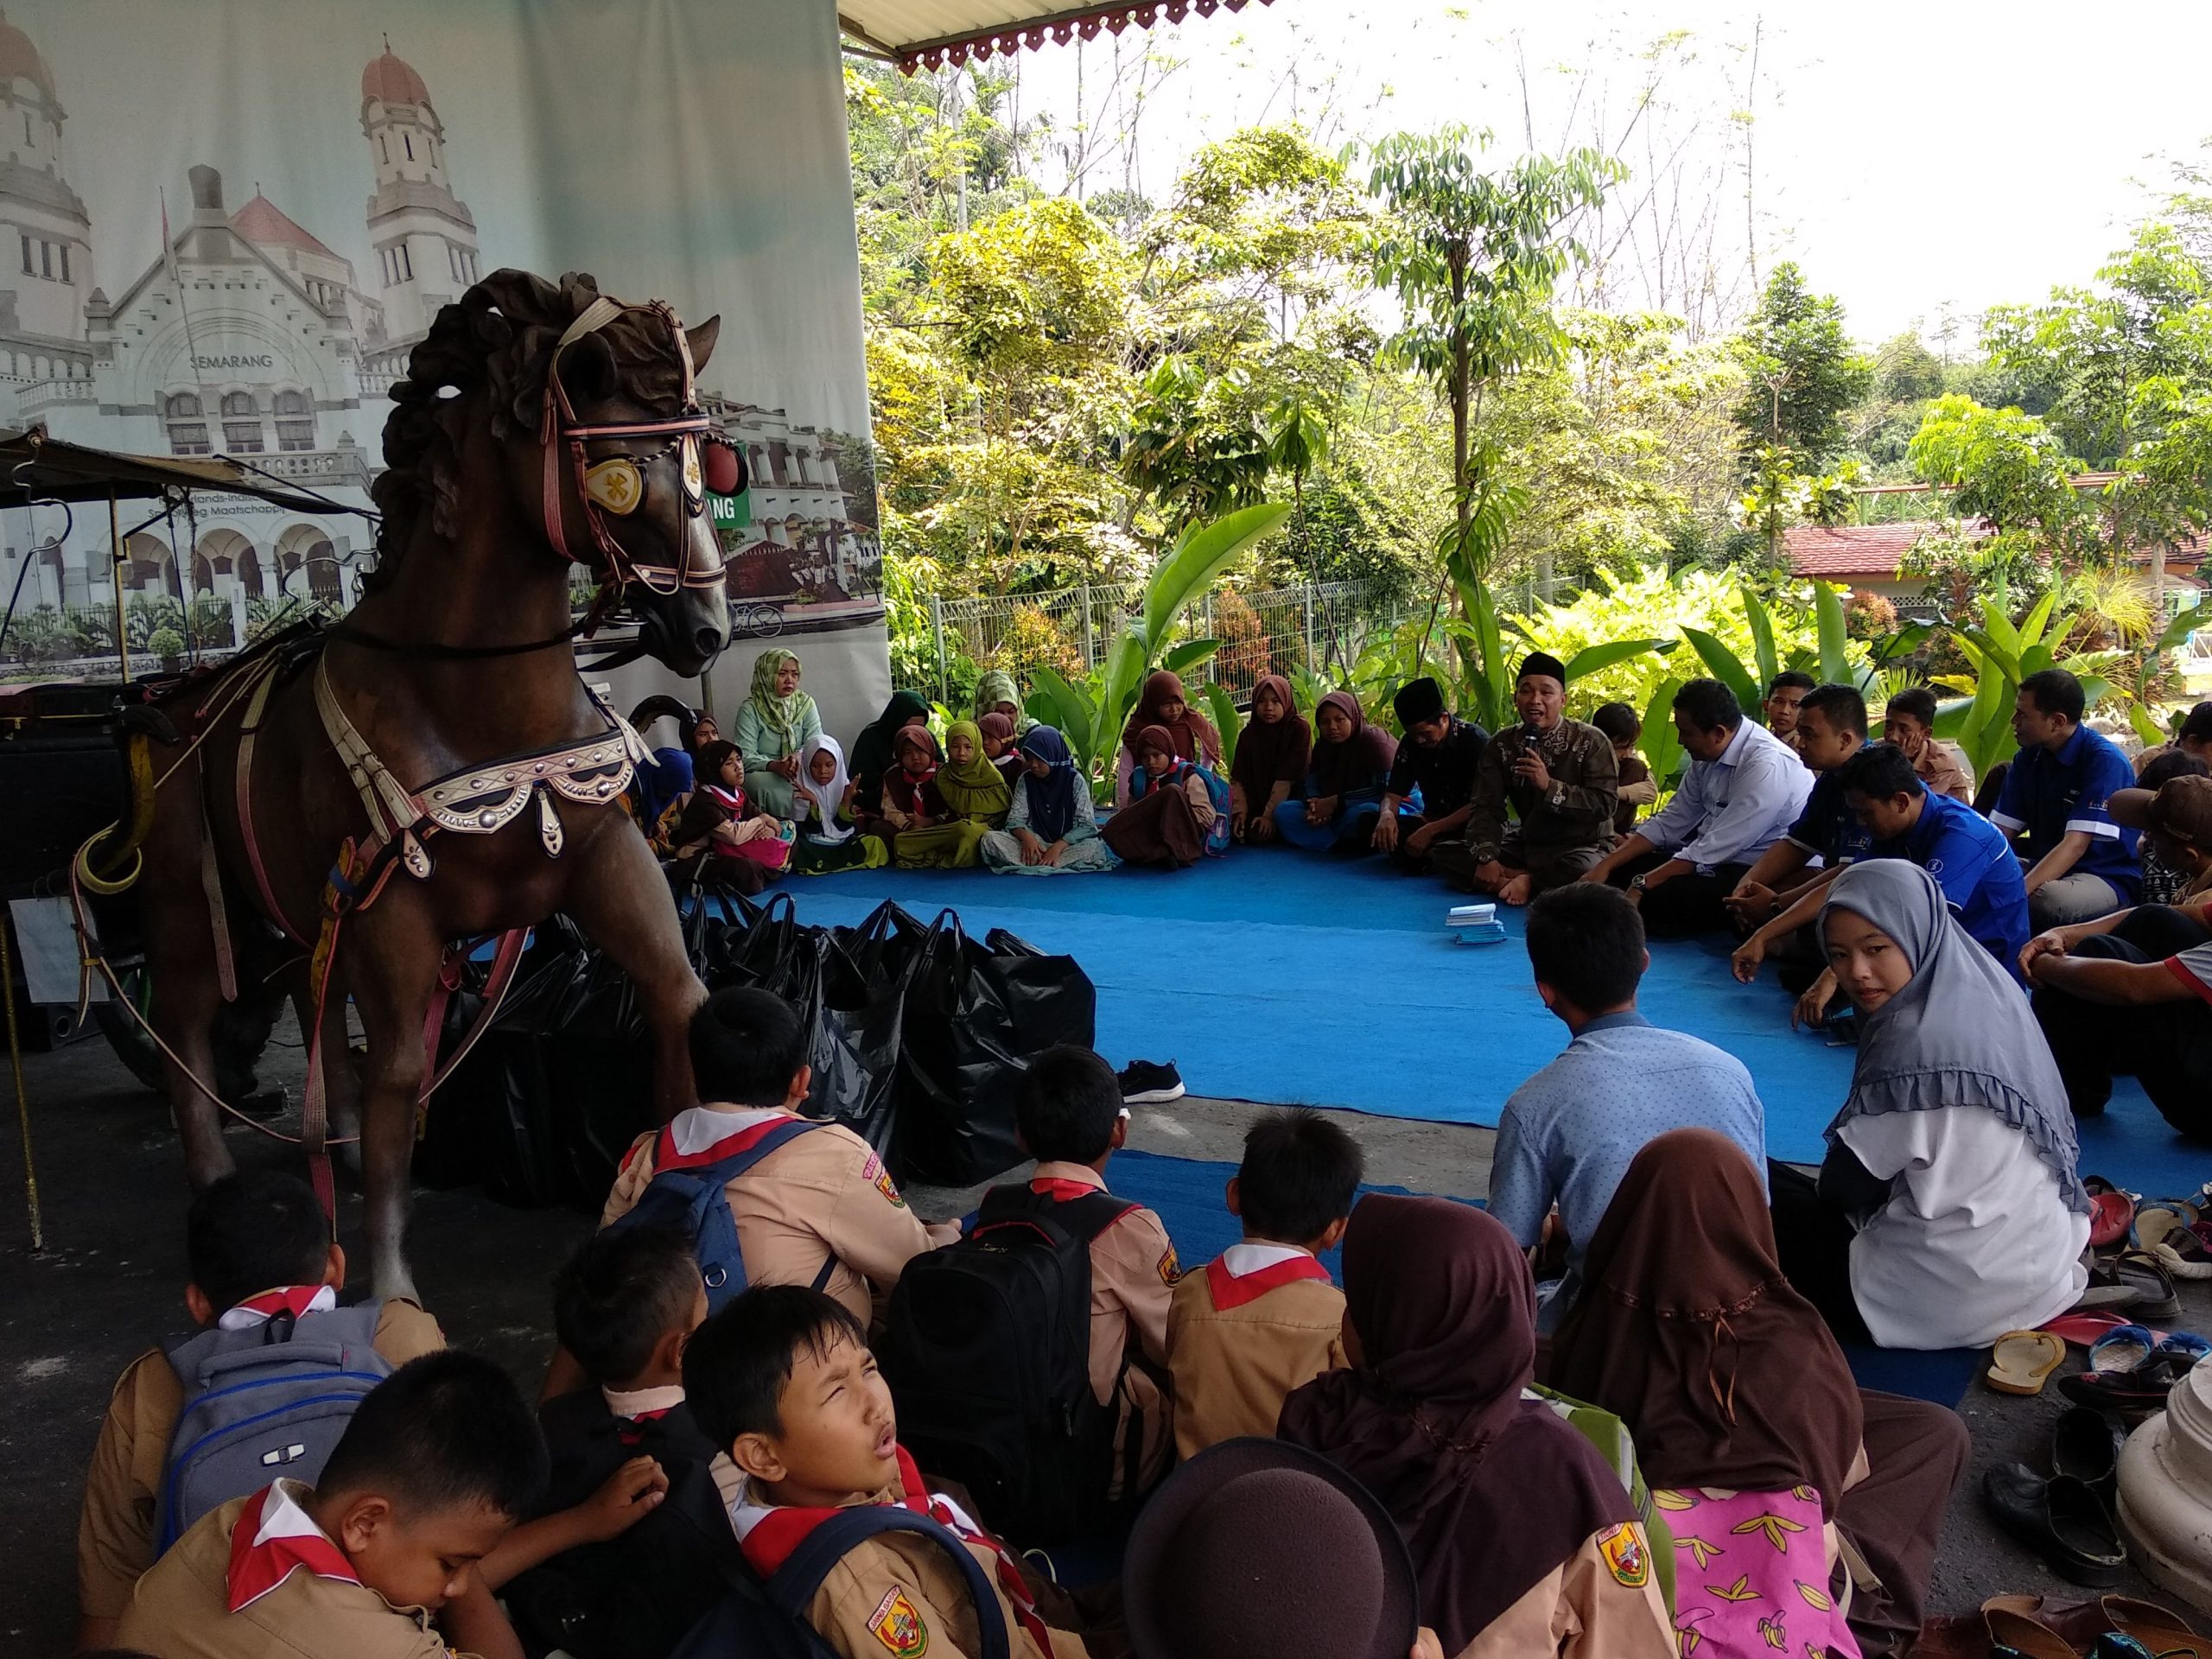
262,1402
1216,790
694,1202
767,1618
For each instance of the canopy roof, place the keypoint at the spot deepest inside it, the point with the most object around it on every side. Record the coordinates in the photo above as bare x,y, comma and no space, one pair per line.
929,34
36,468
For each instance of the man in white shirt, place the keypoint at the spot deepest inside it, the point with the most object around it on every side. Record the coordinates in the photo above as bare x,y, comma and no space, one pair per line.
1743,789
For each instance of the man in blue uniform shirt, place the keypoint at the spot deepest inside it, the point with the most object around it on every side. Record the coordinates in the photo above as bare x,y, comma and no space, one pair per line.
2080,865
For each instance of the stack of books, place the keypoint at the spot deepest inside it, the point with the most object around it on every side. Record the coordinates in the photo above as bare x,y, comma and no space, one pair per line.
1476,923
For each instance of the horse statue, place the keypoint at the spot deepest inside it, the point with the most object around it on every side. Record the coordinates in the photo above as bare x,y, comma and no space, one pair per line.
349,800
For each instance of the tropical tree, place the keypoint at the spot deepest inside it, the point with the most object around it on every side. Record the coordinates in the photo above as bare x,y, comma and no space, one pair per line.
1801,373
1473,257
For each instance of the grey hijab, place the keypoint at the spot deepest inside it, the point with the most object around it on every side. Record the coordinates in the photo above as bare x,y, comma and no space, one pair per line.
1959,1034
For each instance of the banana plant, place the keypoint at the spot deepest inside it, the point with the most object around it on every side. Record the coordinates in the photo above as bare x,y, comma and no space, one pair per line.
1091,717
2003,653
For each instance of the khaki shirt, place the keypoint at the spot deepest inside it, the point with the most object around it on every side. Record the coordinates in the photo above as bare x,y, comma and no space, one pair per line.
824,1196
1132,1275
898,1597
181,1610
1232,1367
115,1529
1584,1609
1942,767
1576,810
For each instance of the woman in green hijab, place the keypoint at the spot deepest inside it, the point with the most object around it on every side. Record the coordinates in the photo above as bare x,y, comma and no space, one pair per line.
772,726
996,693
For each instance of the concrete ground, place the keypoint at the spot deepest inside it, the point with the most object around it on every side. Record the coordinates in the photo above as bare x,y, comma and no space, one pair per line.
108,1284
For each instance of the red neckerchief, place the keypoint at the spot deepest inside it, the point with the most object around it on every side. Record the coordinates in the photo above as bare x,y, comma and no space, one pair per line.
1061,1190
288,1298
783,1528
666,1157
274,1539
1174,774
1229,1290
732,798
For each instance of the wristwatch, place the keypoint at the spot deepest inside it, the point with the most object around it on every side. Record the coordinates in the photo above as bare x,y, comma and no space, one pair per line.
1635,884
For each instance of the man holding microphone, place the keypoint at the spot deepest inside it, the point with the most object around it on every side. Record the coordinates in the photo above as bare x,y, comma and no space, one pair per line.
1560,782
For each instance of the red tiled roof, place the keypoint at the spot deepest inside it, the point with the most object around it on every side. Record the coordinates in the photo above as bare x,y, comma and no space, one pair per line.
390,80
263,224
1870,551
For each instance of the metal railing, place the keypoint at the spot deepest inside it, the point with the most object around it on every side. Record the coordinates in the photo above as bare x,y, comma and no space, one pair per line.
1273,631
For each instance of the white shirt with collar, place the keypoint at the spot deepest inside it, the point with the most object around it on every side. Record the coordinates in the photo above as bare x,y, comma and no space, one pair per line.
1731,810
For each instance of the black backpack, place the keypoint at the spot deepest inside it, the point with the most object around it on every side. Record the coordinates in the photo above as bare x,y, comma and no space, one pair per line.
766,1619
634,1596
987,1354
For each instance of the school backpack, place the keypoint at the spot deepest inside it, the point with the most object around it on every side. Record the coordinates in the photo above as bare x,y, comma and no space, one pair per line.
633,1596
987,1351
766,1619
694,1202
1217,791
260,1403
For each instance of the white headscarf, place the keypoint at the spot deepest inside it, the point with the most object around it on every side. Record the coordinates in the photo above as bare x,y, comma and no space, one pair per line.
822,798
1961,1032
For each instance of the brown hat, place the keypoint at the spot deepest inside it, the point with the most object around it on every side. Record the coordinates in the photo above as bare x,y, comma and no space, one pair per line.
1255,1546
2180,807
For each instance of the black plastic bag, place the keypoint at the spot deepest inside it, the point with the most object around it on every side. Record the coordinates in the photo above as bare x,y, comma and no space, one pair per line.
974,1015
551,1095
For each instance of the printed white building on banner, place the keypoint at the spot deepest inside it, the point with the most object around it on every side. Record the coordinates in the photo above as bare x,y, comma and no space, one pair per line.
250,337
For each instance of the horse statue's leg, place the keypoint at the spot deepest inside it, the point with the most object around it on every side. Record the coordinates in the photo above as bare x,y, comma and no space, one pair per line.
181,967
391,951
620,897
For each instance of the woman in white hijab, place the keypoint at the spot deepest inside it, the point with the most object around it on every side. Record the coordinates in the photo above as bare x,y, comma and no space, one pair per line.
1949,1209
822,808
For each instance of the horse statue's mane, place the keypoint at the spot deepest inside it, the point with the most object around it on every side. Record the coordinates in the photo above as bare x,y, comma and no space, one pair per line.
499,334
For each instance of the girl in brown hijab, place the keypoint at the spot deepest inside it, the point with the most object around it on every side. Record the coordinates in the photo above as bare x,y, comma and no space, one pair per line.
1162,704
1523,1540
1172,820
1343,787
1688,1331
1272,755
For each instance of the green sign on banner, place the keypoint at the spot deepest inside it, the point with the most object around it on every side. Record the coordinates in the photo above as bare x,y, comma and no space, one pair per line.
731,511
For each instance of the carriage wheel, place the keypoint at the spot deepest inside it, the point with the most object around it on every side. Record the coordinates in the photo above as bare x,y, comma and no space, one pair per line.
241,1034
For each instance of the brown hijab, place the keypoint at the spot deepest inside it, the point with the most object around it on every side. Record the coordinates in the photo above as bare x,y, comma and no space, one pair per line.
1492,1491
1268,755
1194,736
1687,1332
1361,761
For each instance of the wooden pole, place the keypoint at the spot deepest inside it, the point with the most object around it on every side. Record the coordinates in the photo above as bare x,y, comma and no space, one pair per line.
115,575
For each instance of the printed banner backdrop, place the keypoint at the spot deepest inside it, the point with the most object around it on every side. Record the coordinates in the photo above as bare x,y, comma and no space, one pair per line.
224,223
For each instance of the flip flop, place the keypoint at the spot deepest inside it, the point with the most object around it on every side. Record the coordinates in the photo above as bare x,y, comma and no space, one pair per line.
2022,1362
2163,1633
2122,1348
2186,1344
2084,1329
2112,1212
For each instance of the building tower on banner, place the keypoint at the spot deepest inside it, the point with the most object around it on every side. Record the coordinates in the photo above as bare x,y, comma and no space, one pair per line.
46,246
424,239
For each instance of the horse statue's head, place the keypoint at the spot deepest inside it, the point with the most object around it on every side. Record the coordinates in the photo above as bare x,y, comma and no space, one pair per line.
609,456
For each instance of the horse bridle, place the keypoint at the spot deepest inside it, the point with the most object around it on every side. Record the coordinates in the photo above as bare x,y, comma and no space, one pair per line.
615,484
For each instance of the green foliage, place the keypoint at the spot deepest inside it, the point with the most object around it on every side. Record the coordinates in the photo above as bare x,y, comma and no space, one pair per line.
165,643
1801,371
2001,465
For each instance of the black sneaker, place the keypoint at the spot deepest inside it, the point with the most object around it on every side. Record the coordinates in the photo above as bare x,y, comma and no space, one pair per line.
1144,1084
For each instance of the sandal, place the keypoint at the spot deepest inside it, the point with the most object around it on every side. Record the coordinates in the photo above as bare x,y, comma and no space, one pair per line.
2022,1635
2112,1212
2122,1348
2134,1282
2021,1361
2084,1329
2163,1633
2185,1252
2137,1392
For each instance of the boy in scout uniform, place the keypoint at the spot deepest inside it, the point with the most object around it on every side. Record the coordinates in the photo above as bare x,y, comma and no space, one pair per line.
1263,1318
377,1561
1070,1119
821,1203
257,1245
782,1380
